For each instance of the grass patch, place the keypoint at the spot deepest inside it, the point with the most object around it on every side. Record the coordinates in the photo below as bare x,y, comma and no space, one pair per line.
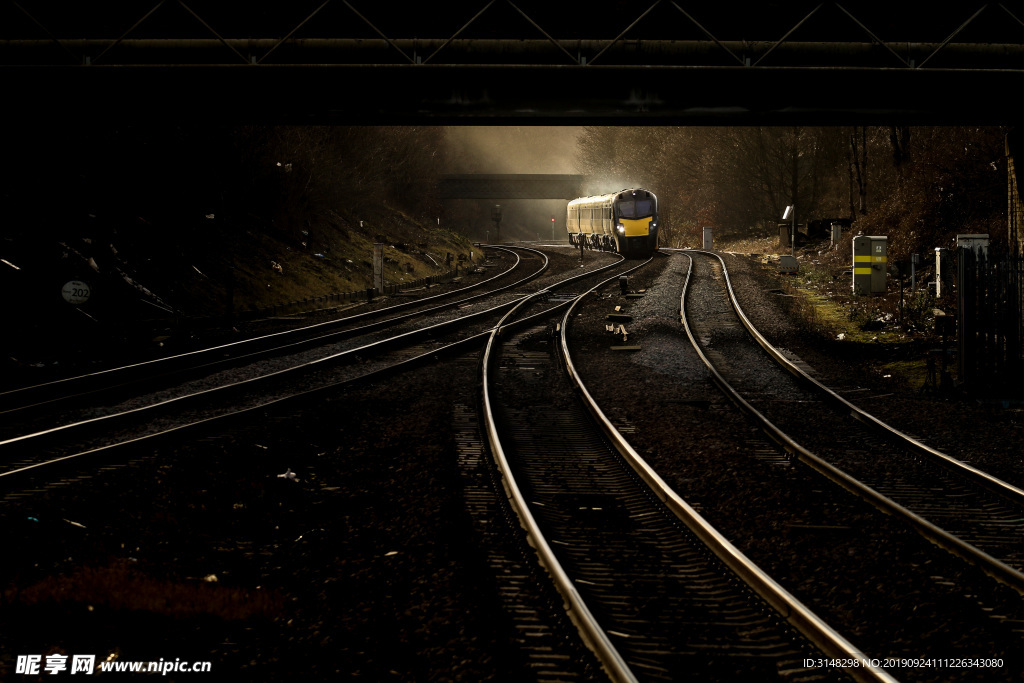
334,257
912,372
749,245
832,316
820,296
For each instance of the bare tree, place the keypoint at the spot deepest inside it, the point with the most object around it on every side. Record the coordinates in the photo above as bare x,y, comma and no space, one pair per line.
738,179
857,161
899,138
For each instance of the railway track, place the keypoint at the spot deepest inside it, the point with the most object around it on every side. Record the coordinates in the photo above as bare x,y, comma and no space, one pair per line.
382,575
523,374
94,438
869,573
966,511
550,649
35,402
656,592
547,639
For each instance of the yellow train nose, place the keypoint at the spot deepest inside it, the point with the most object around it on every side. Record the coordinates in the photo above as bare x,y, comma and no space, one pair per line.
636,228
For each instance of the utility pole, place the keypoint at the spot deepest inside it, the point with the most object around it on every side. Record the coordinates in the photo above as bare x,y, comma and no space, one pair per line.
791,214
496,217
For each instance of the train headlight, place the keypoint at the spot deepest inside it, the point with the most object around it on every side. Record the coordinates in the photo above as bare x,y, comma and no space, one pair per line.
620,228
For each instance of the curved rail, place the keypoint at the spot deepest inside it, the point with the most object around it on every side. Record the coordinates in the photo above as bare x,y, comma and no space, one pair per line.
935,534
785,604
304,394
80,384
984,478
594,636
301,366
454,346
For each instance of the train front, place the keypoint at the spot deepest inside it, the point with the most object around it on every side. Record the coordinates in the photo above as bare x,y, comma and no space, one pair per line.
636,222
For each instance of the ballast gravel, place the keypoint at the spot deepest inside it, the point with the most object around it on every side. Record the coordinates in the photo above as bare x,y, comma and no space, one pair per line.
360,561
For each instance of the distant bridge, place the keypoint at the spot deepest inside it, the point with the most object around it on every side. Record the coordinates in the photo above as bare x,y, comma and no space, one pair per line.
511,186
501,62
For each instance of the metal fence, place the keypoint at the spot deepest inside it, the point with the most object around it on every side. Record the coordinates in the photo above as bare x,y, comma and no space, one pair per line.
990,329
1015,209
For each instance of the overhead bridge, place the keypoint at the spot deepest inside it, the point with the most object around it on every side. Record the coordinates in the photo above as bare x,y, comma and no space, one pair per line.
511,186
528,61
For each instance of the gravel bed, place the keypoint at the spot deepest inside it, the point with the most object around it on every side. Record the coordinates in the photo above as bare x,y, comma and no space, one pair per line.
986,435
561,265
789,522
360,567
190,334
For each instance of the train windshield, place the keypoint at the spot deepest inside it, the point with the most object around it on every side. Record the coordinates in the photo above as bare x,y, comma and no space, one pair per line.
639,208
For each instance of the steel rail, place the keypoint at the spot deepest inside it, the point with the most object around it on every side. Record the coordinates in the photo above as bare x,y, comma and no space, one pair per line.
401,366
593,635
377,345
391,341
995,568
157,367
788,607
994,484
379,373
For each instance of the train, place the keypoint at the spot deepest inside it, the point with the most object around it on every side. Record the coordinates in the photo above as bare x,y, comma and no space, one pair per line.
625,222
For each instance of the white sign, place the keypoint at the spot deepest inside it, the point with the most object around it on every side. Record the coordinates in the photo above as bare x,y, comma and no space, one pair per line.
76,292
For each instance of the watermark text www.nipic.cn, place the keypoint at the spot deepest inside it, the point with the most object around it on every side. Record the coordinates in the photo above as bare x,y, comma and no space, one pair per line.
33,665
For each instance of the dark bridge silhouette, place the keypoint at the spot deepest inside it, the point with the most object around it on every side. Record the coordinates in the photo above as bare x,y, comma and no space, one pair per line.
499,62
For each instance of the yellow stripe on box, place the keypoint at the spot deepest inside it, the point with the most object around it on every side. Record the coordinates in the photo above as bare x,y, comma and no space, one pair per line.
862,271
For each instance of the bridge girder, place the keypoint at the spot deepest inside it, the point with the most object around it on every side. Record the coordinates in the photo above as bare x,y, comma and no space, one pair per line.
503,96
524,62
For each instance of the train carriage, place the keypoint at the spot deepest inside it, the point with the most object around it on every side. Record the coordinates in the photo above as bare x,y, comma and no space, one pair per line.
625,222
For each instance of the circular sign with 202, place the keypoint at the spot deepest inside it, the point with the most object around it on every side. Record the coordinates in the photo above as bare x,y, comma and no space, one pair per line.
76,292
